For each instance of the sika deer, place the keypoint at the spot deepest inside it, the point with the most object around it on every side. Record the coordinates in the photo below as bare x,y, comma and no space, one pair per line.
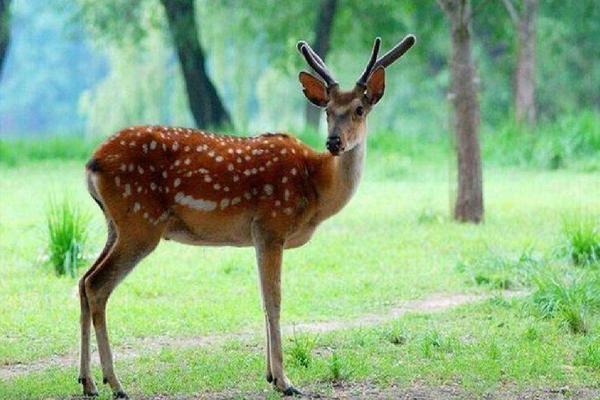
269,191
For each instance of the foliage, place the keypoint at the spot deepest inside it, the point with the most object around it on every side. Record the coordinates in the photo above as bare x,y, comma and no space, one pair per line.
67,236
573,140
18,152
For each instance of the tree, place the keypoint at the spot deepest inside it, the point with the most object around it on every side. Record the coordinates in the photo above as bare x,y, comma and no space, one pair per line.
524,75
4,31
322,43
469,201
205,104
119,21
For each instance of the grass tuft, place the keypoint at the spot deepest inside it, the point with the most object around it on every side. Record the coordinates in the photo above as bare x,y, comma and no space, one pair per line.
582,240
498,272
572,298
589,356
300,350
67,236
337,370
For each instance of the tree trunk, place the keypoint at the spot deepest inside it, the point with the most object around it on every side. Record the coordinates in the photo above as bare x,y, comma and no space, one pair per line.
469,201
525,69
4,31
323,28
205,104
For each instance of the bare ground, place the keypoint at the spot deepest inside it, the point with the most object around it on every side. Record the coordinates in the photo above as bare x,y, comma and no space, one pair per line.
437,302
368,390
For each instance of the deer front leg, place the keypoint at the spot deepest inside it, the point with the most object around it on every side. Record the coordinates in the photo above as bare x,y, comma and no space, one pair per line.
269,254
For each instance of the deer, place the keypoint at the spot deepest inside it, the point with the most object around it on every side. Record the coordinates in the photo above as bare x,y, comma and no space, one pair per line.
269,191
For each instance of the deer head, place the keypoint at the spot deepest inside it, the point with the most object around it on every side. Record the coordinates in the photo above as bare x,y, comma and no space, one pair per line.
347,110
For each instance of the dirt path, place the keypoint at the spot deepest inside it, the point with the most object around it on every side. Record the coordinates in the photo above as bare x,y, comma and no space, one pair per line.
368,390
436,302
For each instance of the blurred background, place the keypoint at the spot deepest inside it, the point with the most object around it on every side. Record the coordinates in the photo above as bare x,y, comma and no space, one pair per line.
88,68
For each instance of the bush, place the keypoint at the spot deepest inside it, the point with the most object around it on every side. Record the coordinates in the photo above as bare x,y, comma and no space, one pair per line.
67,235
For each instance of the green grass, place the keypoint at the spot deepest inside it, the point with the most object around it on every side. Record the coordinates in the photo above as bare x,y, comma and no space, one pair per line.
582,234
392,243
67,236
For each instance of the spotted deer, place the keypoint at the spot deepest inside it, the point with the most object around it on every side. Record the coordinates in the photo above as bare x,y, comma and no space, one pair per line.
269,191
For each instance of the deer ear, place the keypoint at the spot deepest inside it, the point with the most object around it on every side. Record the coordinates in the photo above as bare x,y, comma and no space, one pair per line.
376,85
314,89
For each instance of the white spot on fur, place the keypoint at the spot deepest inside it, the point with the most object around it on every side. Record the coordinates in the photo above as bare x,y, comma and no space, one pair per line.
235,200
176,182
224,203
268,189
197,204
136,207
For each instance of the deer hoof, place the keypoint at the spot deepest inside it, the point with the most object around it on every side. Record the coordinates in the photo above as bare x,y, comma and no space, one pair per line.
269,377
292,391
121,395
89,387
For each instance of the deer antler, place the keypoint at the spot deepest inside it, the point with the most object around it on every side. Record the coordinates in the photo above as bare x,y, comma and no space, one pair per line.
363,78
387,59
316,63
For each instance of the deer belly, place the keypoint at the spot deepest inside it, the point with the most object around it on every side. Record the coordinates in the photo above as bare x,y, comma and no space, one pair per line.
206,231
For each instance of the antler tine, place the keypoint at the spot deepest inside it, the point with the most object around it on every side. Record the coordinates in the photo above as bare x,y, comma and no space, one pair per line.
313,53
316,63
363,77
396,52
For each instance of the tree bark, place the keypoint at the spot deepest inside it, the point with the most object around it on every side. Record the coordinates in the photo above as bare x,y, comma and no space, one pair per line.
322,43
4,31
525,70
469,201
205,104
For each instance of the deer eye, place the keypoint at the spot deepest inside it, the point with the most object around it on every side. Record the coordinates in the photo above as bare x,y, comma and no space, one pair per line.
360,111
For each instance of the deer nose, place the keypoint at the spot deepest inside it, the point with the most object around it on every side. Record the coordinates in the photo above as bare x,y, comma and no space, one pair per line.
334,144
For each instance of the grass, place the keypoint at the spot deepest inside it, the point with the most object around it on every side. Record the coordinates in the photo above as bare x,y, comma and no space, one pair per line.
582,236
67,236
573,298
392,243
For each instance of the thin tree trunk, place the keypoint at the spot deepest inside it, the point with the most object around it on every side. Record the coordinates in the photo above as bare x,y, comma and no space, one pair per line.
469,201
525,70
4,31
322,43
205,104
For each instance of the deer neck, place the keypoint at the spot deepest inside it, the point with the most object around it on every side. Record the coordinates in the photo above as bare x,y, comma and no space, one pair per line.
340,177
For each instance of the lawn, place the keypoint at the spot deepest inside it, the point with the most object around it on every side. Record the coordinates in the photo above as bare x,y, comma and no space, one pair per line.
393,243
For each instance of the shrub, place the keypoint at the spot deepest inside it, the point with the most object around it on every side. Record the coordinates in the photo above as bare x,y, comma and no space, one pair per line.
67,235
582,240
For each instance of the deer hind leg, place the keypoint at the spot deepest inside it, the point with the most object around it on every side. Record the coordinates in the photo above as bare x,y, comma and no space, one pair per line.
131,247
85,375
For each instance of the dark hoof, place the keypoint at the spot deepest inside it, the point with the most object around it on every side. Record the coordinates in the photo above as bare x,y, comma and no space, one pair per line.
121,395
269,378
105,380
292,391
90,394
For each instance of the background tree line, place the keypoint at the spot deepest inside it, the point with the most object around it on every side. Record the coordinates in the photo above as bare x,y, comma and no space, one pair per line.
93,67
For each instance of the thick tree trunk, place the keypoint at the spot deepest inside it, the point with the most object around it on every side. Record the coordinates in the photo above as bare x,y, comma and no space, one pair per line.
4,31
205,104
525,69
323,28
469,201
